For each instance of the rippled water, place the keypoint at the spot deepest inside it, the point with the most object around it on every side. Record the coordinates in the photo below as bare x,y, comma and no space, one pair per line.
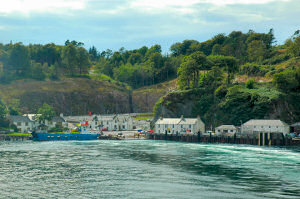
146,169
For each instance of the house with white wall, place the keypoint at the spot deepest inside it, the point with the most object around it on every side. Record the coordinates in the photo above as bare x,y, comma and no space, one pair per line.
30,122
117,122
179,125
23,123
225,129
264,126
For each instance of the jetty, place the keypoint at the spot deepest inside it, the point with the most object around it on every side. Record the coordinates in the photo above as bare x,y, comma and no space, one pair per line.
261,139
5,137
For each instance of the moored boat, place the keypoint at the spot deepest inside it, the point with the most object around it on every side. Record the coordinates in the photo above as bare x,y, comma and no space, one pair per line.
64,136
85,133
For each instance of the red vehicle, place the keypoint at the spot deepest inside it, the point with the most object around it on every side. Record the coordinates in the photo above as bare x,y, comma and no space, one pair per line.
104,129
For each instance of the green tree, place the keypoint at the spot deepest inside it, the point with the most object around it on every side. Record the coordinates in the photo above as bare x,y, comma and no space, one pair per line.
294,48
257,51
3,111
288,80
70,58
94,54
19,60
47,113
37,71
228,63
190,69
83,60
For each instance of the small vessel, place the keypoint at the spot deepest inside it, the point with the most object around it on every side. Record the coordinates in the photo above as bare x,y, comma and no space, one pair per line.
84,134
63,136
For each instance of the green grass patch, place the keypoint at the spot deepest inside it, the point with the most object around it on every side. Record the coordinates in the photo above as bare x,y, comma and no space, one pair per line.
20,134
144,115
142,118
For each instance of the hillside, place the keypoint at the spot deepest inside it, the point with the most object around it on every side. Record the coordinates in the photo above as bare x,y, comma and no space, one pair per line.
74,96
274,95
68,96
145,98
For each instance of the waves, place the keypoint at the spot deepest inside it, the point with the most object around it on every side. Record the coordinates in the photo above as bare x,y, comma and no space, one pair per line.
146,169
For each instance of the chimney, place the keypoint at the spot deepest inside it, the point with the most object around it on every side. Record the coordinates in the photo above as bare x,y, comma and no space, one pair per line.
161,117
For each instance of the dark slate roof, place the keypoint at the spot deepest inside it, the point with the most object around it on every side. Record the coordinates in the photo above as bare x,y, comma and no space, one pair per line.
58,119
18,118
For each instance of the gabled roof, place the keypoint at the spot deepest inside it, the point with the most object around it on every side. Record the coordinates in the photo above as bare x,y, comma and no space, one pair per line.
18,118
230,127
176,121
266,122
58,119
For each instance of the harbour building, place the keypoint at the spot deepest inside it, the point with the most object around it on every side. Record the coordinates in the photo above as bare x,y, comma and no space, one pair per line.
265,126
179,125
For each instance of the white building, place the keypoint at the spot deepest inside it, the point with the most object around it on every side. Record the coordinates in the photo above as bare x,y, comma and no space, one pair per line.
179,125
225,129
120,122
267,126
29,122
23,123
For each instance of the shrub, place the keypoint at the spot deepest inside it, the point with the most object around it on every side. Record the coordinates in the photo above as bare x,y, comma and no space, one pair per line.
250,83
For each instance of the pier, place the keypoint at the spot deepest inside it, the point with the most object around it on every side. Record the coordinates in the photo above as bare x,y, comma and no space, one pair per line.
4,137
262,139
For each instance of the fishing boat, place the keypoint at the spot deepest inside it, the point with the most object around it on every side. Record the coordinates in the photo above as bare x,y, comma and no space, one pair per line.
84,134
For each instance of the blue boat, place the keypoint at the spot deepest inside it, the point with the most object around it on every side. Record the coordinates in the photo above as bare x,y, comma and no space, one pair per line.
61,136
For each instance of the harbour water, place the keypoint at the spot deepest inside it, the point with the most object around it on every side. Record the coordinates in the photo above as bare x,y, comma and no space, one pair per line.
146,169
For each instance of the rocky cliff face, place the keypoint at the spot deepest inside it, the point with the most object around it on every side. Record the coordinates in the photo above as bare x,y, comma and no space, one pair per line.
227,111
70,96
77,96
146,97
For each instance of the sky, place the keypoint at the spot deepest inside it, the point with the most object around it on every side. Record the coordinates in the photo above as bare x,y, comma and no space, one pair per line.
112,24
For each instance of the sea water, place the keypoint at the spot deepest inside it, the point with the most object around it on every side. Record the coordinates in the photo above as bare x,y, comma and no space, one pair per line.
146,169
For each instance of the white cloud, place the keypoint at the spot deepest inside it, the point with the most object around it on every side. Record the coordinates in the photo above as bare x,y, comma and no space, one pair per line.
27,6
182,6
159,4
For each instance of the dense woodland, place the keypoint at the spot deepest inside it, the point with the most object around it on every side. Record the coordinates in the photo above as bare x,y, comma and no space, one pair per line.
231,79
226,72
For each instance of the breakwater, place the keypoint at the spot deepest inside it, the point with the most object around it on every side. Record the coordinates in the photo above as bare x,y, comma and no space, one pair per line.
261,139
4,137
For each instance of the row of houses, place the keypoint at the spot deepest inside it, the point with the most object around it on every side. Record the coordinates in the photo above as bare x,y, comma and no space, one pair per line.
117,122
30,122
194,125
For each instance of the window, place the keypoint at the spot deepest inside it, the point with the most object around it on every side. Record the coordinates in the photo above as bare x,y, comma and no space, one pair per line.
26,123
276,126
166,126
231,130
190,126
269,127
181,126
158,126
173,126
18,123
254,126
123,126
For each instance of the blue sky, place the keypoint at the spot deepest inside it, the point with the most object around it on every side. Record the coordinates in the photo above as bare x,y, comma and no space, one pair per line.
133,23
